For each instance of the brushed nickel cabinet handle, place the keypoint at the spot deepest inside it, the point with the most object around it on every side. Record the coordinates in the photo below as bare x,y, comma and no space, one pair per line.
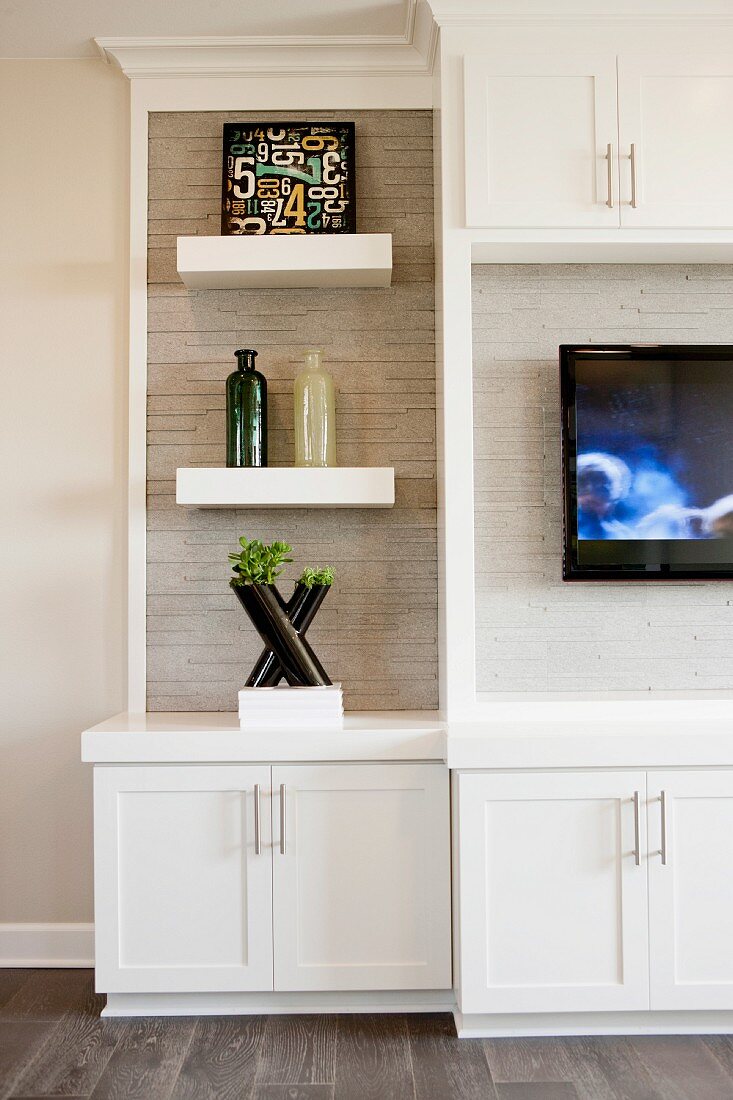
283,819
258,824
663,801
637,834
609,169
632,158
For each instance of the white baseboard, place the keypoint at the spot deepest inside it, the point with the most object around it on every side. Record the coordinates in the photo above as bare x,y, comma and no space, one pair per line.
274,1004
646,1022
46,945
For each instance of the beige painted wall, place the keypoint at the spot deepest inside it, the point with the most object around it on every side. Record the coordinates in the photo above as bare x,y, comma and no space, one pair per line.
63,227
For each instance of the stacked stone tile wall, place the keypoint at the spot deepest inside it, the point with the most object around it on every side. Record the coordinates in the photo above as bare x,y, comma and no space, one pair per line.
535,633
377,630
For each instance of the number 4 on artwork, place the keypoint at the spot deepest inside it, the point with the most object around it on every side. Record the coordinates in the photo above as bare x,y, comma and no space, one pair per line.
295,206
314,176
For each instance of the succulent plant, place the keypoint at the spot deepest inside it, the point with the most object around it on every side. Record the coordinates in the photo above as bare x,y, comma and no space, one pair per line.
311,577
262,563
258,562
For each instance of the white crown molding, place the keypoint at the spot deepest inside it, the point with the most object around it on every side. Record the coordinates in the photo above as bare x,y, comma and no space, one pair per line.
248,57
408,33
558,19
411,53
424,33
462,13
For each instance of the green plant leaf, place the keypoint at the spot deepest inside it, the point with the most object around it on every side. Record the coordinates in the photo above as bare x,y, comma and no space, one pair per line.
311,577
258,563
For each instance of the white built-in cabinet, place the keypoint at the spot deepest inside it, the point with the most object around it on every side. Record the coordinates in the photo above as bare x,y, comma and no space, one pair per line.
361,886
566,135
690,869
595,891
286,877
676,110
553,906
183,891
537,126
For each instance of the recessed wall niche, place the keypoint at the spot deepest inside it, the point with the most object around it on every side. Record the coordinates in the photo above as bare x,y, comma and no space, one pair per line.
377,630
534,632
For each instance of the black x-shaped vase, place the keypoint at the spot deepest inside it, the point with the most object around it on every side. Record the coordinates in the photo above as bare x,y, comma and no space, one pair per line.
282,626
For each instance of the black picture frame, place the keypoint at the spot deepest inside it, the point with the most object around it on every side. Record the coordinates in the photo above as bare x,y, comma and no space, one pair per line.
640,559
288,177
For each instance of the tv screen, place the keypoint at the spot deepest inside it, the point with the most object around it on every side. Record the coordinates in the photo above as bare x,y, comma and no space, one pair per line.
647,461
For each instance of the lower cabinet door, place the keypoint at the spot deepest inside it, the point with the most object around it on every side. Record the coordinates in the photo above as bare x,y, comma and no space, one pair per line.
183,878
552,892
361,877
691,889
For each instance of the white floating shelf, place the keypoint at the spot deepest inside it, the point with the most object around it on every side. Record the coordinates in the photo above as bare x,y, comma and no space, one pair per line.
286,487
287,260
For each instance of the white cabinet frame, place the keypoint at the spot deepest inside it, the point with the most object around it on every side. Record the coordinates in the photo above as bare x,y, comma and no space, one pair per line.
127,859
385,84
672,865
196,890
279,83
621,839
691,889
459,245
661,109
677,160
538,70
377,839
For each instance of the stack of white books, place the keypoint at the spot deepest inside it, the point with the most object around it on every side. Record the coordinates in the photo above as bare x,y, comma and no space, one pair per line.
292,708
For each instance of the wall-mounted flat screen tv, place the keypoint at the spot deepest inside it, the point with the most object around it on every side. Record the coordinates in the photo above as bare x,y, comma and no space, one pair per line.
647,434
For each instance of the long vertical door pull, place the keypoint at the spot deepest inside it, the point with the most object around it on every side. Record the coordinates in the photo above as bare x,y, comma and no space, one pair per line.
258,822
632,158
663,850
637,834
283,818
609,177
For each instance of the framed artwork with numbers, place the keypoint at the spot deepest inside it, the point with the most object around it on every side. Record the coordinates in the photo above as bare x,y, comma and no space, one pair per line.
288,177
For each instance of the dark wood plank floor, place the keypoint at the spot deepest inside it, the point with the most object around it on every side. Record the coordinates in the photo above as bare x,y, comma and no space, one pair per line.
54,1044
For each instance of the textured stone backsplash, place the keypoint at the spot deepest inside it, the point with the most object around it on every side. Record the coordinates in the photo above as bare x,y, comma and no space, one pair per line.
535,633
377,630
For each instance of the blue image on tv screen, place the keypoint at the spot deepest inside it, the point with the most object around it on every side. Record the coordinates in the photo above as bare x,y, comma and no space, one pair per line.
654,450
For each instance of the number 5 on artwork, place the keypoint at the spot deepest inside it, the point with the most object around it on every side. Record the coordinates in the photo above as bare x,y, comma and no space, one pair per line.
243,172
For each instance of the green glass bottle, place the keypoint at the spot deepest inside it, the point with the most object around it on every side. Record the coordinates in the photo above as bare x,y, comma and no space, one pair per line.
246,413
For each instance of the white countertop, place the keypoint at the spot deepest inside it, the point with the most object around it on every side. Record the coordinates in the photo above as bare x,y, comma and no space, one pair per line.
513,733
634,731
203,736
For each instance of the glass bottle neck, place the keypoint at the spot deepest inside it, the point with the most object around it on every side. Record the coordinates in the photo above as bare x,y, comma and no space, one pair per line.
313,359
246,360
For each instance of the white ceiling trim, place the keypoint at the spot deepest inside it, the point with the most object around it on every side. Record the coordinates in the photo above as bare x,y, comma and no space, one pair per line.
551,20
411,53
461,13
211,59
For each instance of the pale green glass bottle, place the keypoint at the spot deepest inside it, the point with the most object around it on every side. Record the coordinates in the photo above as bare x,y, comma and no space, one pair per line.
315,413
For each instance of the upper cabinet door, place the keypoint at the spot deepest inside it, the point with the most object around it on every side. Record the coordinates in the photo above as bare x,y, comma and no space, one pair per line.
691,889
361,877
553,892
539,127
676,114
183,878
